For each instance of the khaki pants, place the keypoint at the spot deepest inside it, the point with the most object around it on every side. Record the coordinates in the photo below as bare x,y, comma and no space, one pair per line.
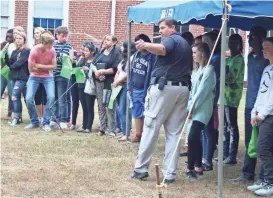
106,116
168,108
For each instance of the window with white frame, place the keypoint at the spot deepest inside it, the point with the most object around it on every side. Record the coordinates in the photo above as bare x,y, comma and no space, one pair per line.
4,18
48,15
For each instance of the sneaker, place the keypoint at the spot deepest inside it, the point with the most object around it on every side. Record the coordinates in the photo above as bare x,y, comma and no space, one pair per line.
242,180
122,139
46,128
53,125
72,128
64,125
266,190
80,129
230,161
87,131
111,134
69,124
140,176
257,185
16,122
32,126
117,130
191,175
207,167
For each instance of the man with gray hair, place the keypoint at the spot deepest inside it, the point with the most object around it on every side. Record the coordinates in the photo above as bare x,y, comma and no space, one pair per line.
166,100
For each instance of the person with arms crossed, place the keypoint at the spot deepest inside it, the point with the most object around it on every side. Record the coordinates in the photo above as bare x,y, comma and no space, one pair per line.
42,59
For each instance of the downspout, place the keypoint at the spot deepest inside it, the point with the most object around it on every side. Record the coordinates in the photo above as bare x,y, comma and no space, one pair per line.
113,16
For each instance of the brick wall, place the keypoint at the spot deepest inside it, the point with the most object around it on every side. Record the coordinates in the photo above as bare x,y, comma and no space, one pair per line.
121,22
98,23
196,30
21,14
88,20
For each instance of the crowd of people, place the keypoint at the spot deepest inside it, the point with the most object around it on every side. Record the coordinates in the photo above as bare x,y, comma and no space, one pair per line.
168,82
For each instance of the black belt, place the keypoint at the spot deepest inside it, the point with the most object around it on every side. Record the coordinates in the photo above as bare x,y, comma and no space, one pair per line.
172,83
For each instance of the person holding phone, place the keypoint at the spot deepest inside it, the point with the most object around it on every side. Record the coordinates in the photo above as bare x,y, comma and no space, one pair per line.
105,67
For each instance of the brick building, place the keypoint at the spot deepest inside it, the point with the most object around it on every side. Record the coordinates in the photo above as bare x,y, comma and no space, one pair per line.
86,19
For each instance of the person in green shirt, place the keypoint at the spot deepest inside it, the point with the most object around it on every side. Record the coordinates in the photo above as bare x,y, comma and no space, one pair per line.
235,67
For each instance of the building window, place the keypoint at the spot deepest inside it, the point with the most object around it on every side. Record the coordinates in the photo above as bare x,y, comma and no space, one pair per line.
44,9
4,18
47,24
179,28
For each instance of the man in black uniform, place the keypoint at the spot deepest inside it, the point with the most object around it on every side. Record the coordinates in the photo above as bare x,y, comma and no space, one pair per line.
166,100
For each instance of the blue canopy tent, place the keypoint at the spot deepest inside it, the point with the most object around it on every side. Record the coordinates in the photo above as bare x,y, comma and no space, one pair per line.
244,14
213,13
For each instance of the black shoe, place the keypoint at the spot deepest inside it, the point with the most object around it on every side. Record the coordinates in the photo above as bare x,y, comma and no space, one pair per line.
191,175
140,176
230,161
207,167
101,133
169,181
184,154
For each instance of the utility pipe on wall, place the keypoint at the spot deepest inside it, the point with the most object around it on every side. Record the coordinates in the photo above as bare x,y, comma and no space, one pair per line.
113,16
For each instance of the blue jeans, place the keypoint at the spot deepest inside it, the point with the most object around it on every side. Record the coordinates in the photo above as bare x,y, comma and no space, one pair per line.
118,123
19,87
249,163
5,83
204,144
231,133
69,99
121,106
61,107
32,86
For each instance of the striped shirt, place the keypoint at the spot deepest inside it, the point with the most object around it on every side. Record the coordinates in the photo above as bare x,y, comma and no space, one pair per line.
60,48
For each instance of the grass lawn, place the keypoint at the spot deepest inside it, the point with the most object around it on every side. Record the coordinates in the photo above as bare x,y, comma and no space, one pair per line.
40,164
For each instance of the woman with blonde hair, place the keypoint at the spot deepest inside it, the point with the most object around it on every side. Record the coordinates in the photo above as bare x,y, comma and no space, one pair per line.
19,75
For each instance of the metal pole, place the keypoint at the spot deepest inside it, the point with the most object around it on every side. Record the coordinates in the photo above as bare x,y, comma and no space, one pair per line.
128,117
222,92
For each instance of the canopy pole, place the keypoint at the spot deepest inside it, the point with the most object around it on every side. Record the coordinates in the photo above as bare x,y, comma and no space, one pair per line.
222,107
128,117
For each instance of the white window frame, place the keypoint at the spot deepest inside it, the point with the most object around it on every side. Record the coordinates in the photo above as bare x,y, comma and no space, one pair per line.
10,16
31,17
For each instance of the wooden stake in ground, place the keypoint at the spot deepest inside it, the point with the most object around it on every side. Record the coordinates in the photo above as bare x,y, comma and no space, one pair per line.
158,186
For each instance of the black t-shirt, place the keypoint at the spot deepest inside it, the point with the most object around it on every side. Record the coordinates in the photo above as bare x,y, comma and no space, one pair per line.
178,58
111,61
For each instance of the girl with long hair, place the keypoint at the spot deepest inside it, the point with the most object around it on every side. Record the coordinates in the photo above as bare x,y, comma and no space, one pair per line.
201,106
121,79
19,75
